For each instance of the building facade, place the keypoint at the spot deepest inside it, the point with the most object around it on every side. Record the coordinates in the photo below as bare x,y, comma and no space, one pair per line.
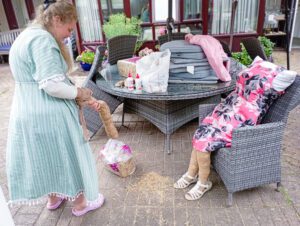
253,18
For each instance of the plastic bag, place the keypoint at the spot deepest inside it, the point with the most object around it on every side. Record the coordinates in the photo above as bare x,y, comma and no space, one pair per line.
117,158
154,71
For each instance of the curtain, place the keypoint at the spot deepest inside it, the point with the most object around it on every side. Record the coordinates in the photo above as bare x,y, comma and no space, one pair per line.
192,9
246,16
89,20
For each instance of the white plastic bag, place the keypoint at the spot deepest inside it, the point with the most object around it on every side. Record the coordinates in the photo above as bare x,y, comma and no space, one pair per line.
117,158
154,71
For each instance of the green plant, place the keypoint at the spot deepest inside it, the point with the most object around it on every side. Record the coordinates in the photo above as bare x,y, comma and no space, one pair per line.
86,56
267,44
243,56
138,46
119,24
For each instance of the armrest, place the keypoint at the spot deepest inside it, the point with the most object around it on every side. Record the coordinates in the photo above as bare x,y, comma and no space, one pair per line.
257,138
204,110
253,148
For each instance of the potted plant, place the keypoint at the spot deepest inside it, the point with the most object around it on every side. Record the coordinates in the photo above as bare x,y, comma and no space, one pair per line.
86,59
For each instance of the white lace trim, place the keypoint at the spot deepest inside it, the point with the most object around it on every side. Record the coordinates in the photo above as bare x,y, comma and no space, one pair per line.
43,199
54,78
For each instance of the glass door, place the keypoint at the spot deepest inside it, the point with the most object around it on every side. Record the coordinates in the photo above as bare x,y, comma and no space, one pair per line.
246,17
89,20
295,34
21,12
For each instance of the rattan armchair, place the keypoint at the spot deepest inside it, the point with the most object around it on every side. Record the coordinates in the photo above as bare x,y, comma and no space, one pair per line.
174,36
254,158
254,48
120,47
92,118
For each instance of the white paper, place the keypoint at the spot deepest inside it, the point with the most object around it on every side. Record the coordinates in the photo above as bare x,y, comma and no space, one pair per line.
190,69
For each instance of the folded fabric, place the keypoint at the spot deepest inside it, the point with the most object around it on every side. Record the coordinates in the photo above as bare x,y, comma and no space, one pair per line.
181,55
199,64
186,61
196,69
214,53
181,46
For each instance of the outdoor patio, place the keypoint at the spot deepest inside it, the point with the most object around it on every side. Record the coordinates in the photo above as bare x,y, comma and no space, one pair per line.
147,197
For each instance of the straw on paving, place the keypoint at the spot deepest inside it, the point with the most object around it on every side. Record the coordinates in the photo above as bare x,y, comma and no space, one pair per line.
151,183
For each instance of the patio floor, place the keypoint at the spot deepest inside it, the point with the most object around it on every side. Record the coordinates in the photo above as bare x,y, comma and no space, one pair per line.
130,202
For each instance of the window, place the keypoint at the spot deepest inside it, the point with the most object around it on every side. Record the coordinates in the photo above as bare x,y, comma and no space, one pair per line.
245,19
110,7
21,12
192,9
89,20
140,9
160,10
272,11
192,12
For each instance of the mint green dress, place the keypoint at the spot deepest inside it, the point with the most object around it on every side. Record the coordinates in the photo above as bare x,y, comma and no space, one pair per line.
46,150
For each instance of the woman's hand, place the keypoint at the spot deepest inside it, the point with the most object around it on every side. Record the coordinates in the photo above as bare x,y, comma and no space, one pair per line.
83,94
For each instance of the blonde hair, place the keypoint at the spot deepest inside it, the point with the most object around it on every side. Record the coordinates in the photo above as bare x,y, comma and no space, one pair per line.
67,13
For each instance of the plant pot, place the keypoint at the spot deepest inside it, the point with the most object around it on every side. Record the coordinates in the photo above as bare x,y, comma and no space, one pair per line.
85,66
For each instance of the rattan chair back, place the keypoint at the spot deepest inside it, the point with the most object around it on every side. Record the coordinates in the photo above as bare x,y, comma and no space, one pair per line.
174,36
254,48
226,48
97,63
120,47
280,109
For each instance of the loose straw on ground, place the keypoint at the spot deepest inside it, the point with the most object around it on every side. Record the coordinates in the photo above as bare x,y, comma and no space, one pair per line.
151,182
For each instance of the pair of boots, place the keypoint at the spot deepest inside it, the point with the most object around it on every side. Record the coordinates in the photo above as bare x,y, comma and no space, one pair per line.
198,173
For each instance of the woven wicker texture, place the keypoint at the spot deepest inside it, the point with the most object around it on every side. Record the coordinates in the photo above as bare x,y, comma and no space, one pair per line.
121,47
92,118
254,158
174,36
254,48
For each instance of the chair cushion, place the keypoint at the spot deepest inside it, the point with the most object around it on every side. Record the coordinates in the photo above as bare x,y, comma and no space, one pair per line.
284,79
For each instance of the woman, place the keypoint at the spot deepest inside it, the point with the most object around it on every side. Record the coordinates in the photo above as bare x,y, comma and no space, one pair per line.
256,89
46,150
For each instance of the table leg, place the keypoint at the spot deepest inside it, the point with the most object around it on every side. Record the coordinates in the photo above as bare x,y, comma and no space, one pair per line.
168,144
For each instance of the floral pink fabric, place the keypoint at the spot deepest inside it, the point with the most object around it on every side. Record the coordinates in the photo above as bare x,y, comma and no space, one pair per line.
245,106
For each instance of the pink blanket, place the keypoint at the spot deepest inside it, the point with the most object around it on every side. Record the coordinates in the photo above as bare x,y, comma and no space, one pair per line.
214,53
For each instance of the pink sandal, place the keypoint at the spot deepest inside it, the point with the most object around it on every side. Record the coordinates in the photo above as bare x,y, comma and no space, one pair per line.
55,205
91,205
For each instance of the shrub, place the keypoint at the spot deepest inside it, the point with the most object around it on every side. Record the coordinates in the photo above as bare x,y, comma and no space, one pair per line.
119,24
243,56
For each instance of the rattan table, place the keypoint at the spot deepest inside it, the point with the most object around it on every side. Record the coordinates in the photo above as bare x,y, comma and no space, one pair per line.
170,110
